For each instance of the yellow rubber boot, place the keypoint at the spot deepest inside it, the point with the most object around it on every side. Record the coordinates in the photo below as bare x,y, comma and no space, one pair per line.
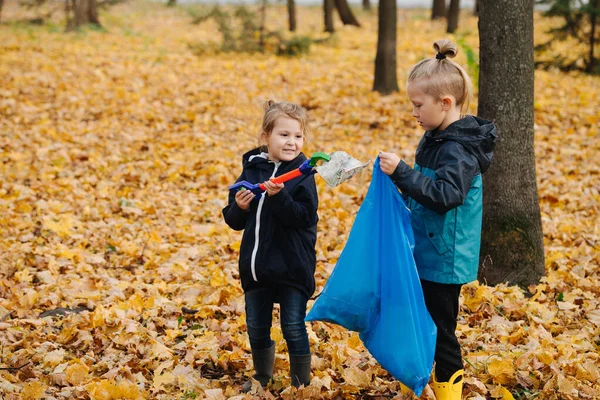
450,390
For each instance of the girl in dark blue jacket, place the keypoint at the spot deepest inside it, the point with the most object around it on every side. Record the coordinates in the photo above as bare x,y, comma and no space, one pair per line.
277,255
444,191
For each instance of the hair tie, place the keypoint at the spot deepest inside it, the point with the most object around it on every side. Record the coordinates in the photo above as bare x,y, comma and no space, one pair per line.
440,56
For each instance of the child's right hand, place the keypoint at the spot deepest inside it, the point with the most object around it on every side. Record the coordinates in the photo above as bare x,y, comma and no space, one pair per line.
388,162
243,198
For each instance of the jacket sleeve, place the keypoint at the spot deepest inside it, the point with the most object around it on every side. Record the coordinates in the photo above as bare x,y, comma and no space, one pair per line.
456,171
234,216
299,211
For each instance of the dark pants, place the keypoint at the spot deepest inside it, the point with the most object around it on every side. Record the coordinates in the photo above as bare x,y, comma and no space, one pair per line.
259,314
442,303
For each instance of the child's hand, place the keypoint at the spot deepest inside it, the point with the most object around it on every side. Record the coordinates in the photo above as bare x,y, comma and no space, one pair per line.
388,162
243,198
273,188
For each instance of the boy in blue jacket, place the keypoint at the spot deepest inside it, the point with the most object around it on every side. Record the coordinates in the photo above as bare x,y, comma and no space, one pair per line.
444,192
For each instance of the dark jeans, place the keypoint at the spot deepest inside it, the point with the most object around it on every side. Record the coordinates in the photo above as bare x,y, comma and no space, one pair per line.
259,315
441,300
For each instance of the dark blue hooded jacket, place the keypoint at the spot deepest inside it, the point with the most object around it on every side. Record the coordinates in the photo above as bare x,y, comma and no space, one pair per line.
445,198
280,232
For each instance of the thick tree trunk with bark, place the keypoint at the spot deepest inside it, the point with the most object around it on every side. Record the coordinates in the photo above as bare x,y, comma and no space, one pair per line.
346,14
84,12
386,80
438,9
512,248
453,12
328,7
291,6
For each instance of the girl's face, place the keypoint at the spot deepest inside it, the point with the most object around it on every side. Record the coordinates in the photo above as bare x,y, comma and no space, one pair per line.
285,141
428,111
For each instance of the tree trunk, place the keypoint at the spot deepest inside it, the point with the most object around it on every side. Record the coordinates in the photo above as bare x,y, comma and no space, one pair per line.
438,9
93,12
328,7
453,12
476,8
512,247
346,13
386,81
1,4
84,12
262,27
172,3
595,9
366,5
291,6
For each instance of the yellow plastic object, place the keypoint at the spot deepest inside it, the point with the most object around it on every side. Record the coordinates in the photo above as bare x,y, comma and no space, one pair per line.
447,390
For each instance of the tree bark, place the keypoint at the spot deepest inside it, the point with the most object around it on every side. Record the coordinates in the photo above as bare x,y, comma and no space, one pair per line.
438,9
366,5
328,7
291,6
84,12
345,12
386,80
453,12
595,8
512,247
93,12
262,27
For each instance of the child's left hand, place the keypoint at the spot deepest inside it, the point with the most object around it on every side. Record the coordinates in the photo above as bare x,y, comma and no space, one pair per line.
273,188
388,162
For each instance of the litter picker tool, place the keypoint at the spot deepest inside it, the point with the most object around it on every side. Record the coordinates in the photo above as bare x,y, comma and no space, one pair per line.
334,168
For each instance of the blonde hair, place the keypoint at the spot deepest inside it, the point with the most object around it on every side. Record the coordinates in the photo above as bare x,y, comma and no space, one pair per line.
276,109
443,76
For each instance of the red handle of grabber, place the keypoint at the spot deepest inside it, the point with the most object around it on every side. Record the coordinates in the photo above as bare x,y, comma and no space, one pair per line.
283,178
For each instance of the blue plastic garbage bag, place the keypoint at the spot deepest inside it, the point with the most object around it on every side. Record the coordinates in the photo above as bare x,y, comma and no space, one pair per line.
350,297
401,335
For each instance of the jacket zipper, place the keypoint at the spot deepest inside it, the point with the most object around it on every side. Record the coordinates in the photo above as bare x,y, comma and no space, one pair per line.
257,229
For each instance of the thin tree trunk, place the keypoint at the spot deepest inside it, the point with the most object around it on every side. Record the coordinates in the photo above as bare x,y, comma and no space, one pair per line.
263,19
453,12
438,9
512,247
386,80
68,18
366,5
291,6
172,3
328,7
345,12
593,18
476,8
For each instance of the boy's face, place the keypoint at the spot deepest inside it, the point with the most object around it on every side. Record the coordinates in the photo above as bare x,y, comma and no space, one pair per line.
428,111
285,141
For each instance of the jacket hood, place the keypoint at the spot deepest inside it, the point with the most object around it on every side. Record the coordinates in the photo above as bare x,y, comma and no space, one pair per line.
478,136
256,157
